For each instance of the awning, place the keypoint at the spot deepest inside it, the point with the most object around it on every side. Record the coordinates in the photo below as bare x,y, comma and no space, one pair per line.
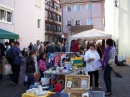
91,34
8,35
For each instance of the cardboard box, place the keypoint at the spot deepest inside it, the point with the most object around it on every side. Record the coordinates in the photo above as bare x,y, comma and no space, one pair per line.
83,84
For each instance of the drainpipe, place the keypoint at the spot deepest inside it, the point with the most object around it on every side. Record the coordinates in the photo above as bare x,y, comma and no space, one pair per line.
14,18
118,27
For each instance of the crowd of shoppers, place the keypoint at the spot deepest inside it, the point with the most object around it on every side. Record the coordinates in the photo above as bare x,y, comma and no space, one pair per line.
34,59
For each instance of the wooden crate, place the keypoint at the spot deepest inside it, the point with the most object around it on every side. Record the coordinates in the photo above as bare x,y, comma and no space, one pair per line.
76,92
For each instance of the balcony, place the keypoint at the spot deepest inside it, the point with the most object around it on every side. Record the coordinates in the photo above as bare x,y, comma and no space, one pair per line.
77,1
77,29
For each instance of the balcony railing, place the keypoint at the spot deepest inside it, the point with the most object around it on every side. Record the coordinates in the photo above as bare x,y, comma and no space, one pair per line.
77,29
77,1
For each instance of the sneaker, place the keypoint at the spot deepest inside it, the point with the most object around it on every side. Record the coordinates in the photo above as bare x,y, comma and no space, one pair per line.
24,83
108,93
99,87
13,83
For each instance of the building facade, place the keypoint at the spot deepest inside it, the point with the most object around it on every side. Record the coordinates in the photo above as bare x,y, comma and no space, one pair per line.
117,23
81,15
23,17
52,20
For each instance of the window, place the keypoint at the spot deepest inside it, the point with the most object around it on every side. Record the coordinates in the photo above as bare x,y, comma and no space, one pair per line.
54,16
68,8
51,3
77,7
46,26
89,21
38,23
68,23
38,3
89,6
54,28
5,15
58,29
77,22
59,18
49,14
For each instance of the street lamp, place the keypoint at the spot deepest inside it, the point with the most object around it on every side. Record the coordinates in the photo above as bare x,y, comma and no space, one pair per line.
116,3
63,37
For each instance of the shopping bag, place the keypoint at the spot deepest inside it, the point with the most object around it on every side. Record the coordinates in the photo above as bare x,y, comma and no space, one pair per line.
7,69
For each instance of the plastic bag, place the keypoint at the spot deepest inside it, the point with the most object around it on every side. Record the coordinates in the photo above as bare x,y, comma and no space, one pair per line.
8,69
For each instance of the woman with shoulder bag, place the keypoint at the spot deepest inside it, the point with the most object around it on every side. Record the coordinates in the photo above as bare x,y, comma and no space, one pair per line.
108,65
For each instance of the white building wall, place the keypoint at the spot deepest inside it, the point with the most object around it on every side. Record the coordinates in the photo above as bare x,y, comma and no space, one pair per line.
117,23
25,16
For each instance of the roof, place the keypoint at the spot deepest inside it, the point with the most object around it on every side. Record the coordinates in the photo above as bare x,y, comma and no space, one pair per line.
8,35
78,1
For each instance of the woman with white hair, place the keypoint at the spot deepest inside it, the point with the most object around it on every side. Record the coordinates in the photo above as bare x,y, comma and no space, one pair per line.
91,57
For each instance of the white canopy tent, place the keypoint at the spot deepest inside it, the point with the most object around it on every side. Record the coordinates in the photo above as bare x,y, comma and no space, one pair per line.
91,34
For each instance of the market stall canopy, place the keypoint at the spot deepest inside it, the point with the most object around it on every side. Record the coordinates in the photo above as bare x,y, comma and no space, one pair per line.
91,34
8,35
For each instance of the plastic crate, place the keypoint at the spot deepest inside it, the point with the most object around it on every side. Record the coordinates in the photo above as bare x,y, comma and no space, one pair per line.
97,94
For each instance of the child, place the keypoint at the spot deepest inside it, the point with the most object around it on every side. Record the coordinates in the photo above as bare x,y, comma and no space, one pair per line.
30,69
42,64
24,68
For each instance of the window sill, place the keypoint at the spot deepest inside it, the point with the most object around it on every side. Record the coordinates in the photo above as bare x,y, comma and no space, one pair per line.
38,7
38,28
6,22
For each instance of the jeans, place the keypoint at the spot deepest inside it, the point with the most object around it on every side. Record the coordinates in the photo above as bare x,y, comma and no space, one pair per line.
31,79
42,75
107,77
15,75
96,75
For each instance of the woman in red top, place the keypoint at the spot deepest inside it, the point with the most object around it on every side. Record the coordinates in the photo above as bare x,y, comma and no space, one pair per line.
76,45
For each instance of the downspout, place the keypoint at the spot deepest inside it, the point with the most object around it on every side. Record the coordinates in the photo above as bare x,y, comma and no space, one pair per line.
118,27
14,17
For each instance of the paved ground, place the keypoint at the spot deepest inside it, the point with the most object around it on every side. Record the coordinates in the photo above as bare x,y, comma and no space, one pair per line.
120,85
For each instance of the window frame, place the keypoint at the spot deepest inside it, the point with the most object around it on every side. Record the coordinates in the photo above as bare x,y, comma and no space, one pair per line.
89,23
77,20
87,6
67,8
39,6
76,6
38,25
7,10
68,24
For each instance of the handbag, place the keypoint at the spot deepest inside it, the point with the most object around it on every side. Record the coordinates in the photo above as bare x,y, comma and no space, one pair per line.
8,69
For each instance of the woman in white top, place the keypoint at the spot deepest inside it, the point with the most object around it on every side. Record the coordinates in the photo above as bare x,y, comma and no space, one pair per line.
92,58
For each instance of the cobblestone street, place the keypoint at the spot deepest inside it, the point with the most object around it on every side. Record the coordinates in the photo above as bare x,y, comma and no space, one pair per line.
120,85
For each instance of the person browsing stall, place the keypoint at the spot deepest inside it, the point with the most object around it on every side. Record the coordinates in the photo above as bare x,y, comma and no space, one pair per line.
108,64
30,69
42,64
91,56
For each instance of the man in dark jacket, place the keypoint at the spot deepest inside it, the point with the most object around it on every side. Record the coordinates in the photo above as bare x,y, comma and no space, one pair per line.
30,47
2,53
50,48
16,63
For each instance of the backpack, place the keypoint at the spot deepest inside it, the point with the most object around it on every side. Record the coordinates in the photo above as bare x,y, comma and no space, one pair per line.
9,55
